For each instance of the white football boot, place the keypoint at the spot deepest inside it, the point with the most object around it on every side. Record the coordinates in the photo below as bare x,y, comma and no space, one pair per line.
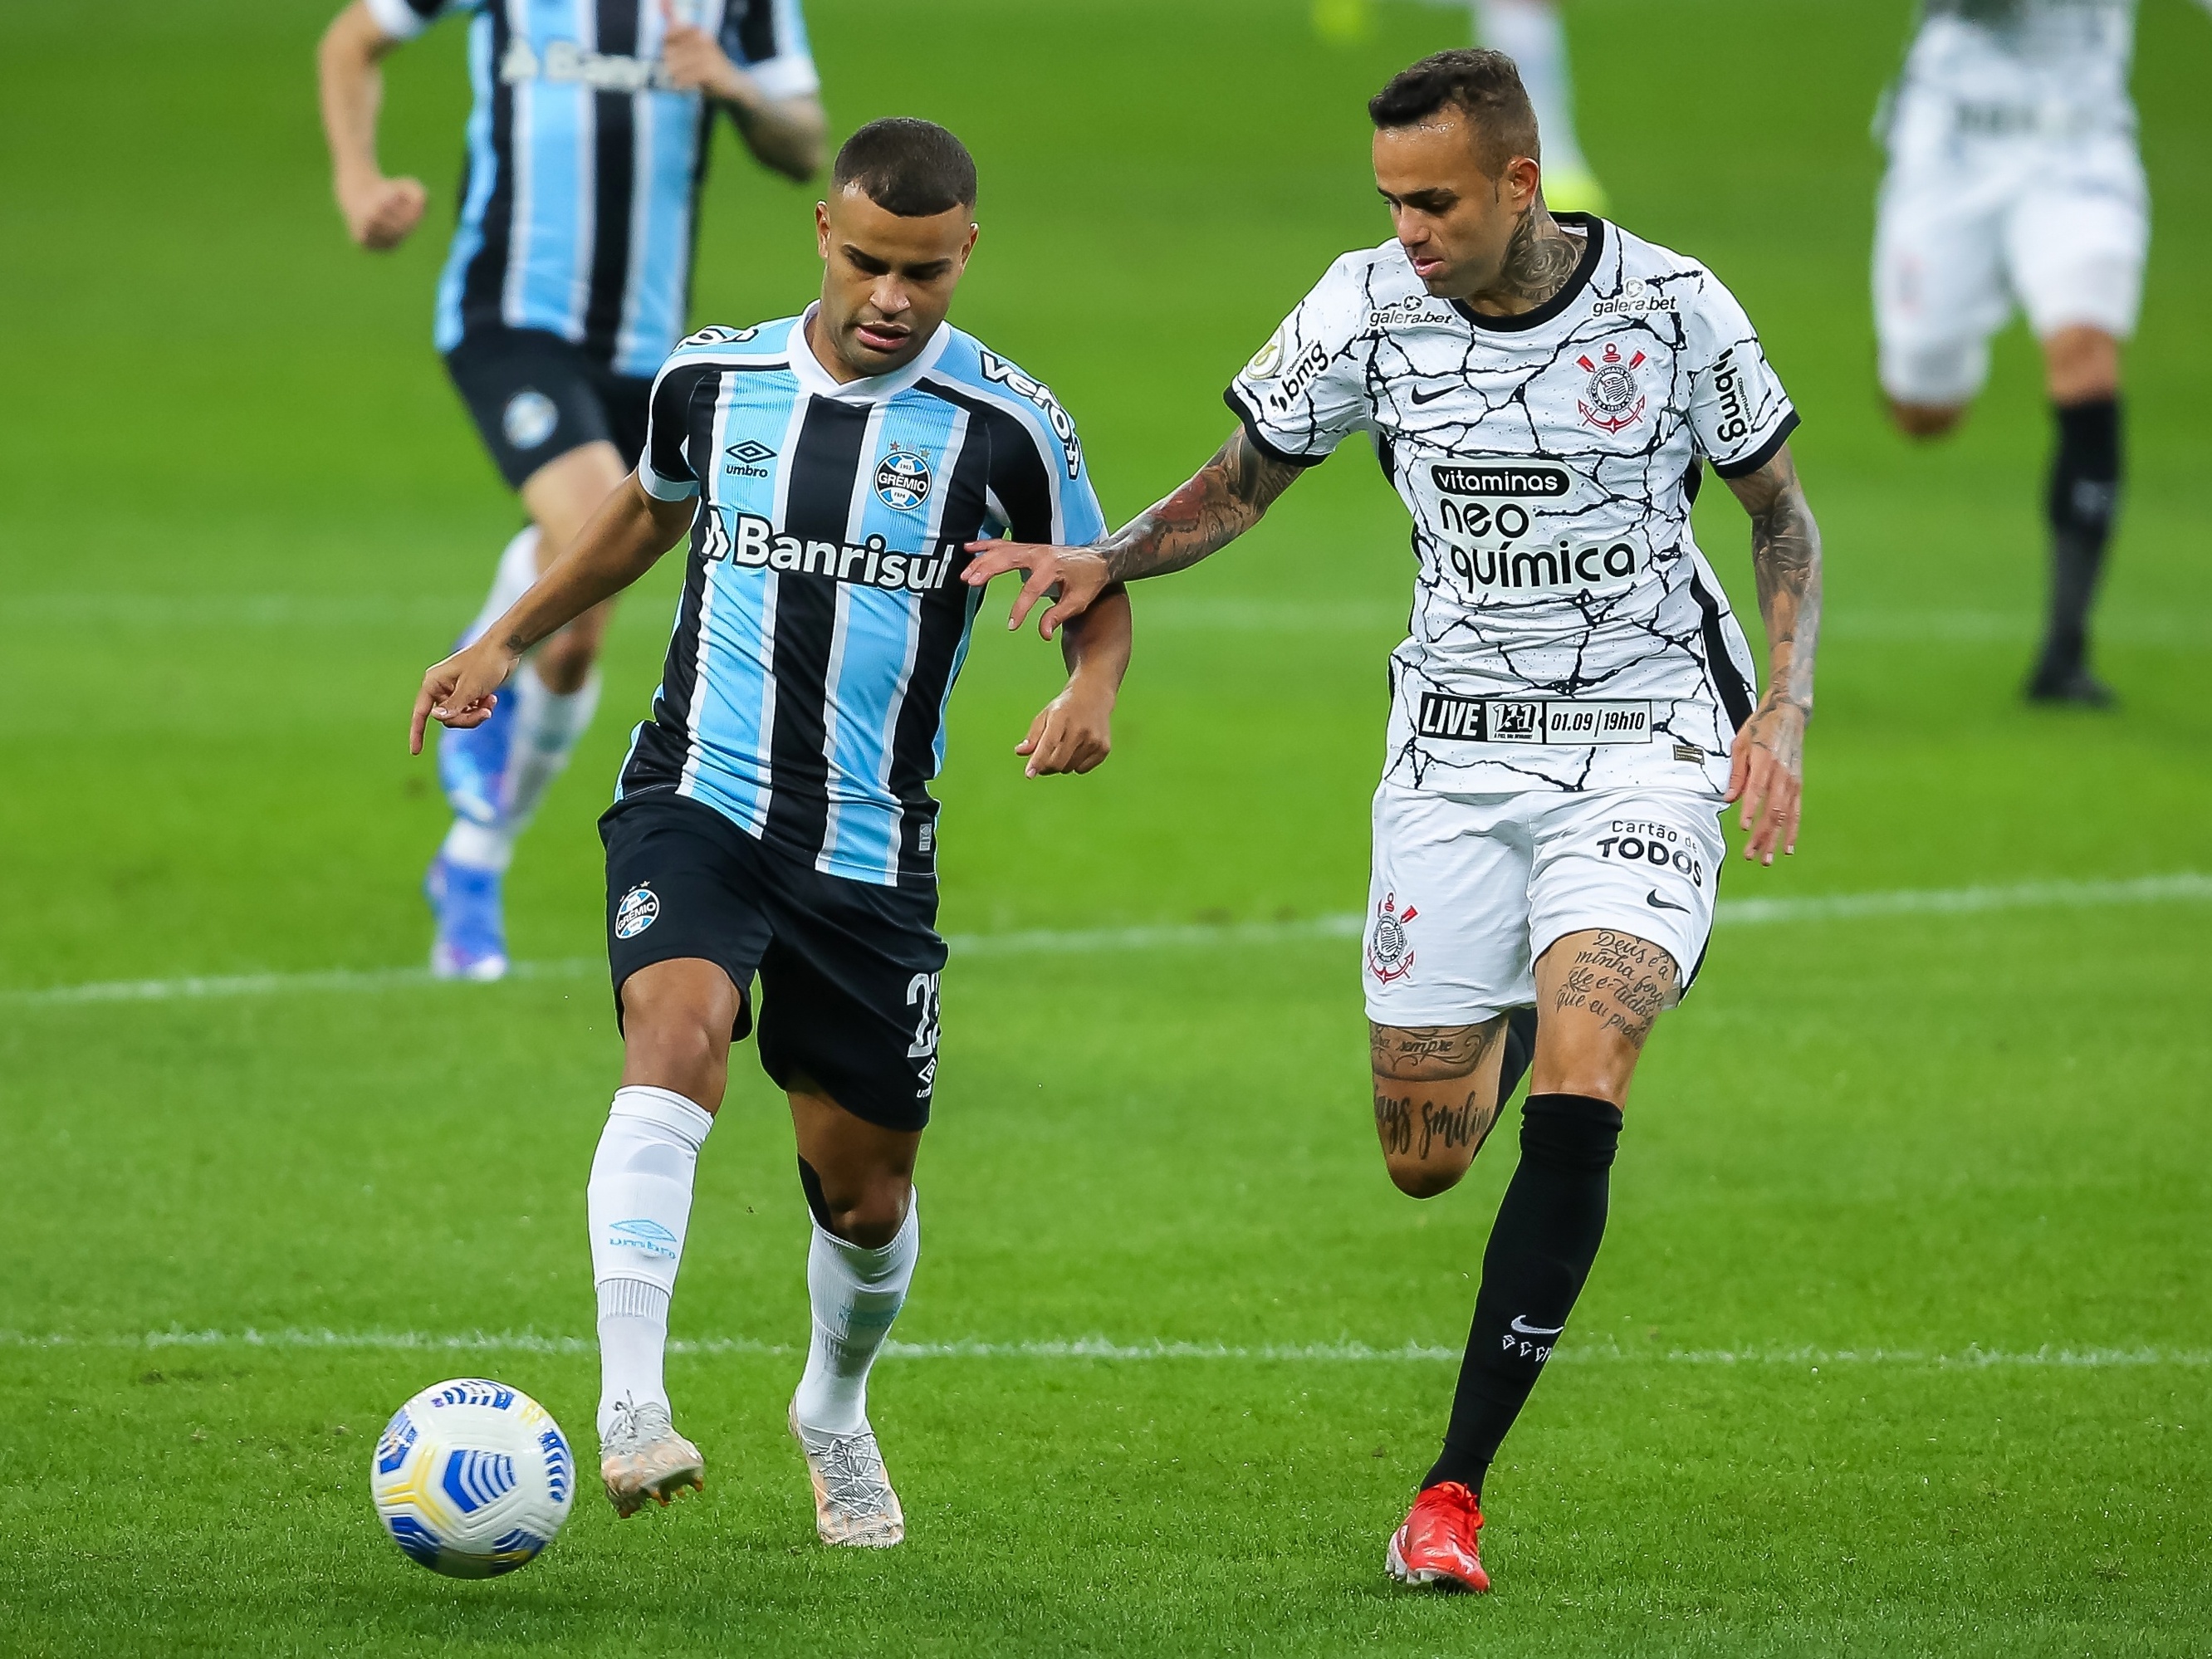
854,1502
643,1456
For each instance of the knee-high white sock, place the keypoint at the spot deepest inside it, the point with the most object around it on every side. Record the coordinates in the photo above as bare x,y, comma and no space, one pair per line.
1529,31
548,726
856,1294
517,569
640,1204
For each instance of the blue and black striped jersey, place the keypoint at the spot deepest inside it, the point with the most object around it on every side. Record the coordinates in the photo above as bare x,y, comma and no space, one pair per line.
584,165
823,620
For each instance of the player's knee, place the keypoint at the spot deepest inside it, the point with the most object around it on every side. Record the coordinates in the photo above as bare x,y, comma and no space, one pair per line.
1925,421
1419,1178
676,1032
867,1211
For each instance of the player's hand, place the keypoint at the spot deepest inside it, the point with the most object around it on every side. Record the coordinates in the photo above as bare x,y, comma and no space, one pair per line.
696,62
461,691
1072,577
1073,733
381,212
1766,773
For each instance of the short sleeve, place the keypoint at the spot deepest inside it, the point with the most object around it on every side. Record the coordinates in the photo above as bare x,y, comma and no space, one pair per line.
1739,412
768,39
1305,393
402,20
1040,480
664,466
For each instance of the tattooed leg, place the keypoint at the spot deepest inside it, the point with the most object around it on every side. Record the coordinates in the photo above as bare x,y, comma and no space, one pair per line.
1597,996
1436,1098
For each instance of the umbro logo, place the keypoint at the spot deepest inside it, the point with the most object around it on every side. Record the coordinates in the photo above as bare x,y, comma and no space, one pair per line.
751,451
1653,899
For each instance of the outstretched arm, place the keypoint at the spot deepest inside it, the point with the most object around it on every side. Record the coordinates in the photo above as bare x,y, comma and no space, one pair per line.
378,211
1223,500
623,540
785,134
1766,769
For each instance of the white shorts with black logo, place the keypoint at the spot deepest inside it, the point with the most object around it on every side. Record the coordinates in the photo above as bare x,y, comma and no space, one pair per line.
1973,223
1468,891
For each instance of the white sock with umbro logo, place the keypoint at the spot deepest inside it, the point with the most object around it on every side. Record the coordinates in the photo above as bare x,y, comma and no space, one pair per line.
639,1203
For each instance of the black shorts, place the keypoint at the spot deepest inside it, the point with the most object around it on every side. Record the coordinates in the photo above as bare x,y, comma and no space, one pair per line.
848,970
535,397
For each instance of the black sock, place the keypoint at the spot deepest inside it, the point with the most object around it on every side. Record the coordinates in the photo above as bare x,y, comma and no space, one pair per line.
2085,494
1540,1249
1520,1049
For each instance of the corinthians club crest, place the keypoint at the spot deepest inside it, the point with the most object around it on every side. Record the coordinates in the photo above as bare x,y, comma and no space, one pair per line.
1390,950
1614,400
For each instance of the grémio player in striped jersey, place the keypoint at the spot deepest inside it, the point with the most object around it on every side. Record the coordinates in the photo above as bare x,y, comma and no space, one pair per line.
1574,702
772,820
566,284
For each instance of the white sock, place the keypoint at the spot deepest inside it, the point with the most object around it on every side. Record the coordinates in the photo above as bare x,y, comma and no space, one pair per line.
856,1294
479,845
640,1204
548,725
517,569
1529,31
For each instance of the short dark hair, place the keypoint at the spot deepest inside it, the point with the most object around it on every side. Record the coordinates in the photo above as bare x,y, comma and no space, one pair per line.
915,169
1482,85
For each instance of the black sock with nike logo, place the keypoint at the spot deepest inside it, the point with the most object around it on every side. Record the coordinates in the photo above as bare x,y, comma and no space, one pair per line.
1540,1251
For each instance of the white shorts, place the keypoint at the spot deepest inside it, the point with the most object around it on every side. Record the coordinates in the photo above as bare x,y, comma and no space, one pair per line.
1970,225
1468,891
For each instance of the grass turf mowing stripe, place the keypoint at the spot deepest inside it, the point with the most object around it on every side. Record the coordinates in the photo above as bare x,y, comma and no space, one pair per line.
1100,1347
2182,887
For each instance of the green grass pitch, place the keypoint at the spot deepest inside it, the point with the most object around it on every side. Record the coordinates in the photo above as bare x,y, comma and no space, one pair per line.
1884,1173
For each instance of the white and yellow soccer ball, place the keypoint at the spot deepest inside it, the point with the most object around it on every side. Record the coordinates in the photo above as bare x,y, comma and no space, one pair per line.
473,1477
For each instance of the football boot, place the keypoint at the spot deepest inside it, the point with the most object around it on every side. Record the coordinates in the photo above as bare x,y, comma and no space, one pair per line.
854,1502
471,936
643,1456
1439,1543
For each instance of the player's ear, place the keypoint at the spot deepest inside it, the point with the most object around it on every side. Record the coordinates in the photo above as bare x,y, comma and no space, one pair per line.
821,228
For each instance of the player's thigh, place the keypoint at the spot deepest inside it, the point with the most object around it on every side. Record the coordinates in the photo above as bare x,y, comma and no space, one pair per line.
1621,908
849,988
534,399
1939,279
1446,941
679,889
2075,245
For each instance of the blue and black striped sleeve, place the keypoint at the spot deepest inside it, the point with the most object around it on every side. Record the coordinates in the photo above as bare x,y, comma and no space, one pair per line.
664,469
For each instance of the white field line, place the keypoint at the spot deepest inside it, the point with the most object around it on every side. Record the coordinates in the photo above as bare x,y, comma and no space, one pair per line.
2184,887
2050,1357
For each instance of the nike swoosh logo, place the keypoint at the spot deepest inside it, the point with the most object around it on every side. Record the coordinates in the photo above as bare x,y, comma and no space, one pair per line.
1653,899
1441,392
1536,1330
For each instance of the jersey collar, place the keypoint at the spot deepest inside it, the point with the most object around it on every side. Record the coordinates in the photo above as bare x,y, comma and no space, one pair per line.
1593,250
807,369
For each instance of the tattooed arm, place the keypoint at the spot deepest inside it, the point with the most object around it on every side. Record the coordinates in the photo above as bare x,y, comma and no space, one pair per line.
1766,771
1223,500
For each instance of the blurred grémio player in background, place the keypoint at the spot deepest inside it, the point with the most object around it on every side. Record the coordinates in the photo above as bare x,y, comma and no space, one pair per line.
567,284
1574,702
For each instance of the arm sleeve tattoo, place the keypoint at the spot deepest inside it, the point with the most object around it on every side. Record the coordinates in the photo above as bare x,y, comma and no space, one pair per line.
1785,556
1223,500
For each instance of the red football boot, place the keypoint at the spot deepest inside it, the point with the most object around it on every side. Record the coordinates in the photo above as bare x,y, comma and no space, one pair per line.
1439,1542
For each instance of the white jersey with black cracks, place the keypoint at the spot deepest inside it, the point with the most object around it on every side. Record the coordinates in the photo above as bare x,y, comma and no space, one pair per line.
2024,69
1565,632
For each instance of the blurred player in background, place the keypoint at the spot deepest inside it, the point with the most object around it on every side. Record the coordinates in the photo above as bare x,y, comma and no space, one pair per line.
1576,701
2014,180
567,284
773,816
1533,35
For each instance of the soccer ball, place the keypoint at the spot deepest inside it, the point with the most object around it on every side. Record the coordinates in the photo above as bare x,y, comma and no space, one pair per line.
473,1477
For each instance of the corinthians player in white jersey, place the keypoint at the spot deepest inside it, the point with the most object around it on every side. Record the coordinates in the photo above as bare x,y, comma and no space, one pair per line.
2013,180
1573,704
